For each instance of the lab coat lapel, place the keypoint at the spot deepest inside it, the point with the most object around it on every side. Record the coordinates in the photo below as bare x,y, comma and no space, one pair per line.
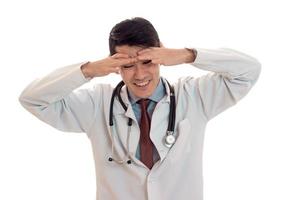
159,123
129,112
134,132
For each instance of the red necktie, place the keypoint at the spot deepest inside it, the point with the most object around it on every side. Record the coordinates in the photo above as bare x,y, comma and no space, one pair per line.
146,144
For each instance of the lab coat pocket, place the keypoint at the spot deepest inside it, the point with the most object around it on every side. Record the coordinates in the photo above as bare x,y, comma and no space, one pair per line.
182,146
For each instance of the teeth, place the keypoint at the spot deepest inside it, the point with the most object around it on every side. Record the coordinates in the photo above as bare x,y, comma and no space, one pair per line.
142,84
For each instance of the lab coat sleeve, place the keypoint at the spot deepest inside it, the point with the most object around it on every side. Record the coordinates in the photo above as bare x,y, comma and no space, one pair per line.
54,100
232,75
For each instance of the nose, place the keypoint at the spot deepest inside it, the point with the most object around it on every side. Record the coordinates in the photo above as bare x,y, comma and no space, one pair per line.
140,72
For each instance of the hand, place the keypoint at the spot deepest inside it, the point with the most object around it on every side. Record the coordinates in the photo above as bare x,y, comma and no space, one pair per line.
107,65
165,56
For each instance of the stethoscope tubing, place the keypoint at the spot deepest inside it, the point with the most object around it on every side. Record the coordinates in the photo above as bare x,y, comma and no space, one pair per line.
169,138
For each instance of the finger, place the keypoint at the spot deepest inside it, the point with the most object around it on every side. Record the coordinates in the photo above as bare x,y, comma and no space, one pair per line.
144,51
132,60
114,69
120,55
156,61
145,57
127,61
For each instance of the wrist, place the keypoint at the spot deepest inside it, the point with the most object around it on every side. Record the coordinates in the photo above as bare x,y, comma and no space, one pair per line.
86,70
190,55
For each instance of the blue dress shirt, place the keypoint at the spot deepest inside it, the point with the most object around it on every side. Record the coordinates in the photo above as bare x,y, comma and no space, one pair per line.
157,95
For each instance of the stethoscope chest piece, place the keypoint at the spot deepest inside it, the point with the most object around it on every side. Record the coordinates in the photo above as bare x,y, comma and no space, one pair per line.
169,140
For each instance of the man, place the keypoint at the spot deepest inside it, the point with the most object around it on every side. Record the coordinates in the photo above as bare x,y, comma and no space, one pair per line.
135,156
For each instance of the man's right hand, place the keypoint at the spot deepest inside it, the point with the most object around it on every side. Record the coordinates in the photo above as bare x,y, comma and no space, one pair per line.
107,65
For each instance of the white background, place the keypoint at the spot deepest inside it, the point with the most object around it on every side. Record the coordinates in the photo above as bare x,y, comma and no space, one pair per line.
252,151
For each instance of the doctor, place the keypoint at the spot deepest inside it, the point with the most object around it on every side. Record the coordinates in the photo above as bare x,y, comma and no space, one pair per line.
146,134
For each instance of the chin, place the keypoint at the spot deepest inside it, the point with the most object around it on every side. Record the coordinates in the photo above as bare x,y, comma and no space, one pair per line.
142,93
143,96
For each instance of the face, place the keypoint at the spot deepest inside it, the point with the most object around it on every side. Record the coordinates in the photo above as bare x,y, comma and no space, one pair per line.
142,77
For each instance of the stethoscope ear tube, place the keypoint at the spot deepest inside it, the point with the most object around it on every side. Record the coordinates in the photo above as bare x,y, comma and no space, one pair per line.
172,115
111,107
115,91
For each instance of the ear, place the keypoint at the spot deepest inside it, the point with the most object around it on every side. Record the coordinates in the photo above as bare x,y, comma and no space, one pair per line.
161,44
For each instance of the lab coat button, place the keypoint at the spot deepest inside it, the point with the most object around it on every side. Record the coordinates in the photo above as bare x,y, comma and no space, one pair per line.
161,150
151,180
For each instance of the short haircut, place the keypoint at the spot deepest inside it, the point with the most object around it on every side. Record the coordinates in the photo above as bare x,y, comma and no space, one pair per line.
133,32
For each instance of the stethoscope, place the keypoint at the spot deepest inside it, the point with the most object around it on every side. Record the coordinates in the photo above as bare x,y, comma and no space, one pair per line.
169,138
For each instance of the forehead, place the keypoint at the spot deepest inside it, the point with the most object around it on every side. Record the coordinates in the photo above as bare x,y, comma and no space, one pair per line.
130,50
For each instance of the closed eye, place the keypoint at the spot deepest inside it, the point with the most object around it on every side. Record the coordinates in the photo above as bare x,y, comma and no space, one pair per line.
146,62
127,66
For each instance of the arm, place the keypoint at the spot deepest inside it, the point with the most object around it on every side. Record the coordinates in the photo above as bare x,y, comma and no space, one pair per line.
55,100
233,75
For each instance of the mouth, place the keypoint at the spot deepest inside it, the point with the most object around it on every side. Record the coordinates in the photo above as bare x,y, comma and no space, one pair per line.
143,84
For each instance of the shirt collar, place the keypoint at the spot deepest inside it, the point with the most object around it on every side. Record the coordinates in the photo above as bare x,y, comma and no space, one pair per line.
156,96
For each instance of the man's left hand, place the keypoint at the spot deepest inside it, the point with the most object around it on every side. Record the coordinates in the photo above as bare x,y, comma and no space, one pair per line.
166,56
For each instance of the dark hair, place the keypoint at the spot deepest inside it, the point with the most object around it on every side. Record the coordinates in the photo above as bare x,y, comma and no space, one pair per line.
133,32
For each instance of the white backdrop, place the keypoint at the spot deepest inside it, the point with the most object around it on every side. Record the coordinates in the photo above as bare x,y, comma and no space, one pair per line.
252,151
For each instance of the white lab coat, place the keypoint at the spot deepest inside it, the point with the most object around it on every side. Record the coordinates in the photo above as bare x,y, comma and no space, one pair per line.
178,174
